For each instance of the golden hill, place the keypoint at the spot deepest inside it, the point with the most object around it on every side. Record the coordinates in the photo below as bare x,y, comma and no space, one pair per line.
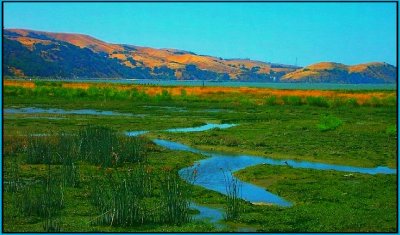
46,54
149,57
336,72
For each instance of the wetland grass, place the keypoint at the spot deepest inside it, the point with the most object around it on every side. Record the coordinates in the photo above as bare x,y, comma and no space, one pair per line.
43,199
121,199
334,203
233,206
103,147
175,197
128,198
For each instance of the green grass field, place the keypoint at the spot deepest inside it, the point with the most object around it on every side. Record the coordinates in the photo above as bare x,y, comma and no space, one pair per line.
321,130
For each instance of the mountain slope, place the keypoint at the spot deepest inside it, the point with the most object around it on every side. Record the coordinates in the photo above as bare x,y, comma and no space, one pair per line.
340,73
45,54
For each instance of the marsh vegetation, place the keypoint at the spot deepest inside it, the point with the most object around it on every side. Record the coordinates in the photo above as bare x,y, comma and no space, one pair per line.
80,172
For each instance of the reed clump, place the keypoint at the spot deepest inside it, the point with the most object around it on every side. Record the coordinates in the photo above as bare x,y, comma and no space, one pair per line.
41,150
128,198
96,145
44,199
11,173
234,206
175,199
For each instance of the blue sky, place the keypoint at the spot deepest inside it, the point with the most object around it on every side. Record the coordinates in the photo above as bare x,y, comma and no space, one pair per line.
349,33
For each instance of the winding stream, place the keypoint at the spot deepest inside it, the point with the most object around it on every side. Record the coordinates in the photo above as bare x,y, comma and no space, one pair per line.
215,171
218,168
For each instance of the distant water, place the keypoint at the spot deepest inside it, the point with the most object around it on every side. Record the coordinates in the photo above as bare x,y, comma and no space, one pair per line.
32,110
205,127
293,86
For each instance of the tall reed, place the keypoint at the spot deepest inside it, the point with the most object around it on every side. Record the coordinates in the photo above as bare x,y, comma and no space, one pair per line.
67,150
233,206
96,145
129,198
102,146
131,149
11,181
44,199
175,199
52,225
121,197
41,150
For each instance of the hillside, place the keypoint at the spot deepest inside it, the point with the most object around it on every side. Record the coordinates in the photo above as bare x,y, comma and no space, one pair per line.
340,73
63,55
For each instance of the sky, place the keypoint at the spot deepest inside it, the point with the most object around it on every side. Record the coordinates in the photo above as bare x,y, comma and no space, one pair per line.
349,33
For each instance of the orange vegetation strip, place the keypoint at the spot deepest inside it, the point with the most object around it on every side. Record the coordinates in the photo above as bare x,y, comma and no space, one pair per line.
207,91
19,83
263,92
86,86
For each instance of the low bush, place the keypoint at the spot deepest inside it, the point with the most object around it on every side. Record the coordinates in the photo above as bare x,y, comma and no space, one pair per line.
328,123
318,101
292,100
271,100
391,130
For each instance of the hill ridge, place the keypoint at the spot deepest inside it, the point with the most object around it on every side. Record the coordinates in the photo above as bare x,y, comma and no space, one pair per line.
65,55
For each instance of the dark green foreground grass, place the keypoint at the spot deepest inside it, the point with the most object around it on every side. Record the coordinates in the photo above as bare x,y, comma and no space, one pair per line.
79,213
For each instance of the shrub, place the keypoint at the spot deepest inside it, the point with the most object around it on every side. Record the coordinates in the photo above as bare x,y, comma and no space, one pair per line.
48,83
328,123
164,96
271,100
352,102
229,141
318,101
374,102
183,93
391,130
389,101
292,100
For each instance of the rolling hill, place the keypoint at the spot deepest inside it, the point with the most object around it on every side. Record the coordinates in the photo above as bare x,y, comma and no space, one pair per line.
340,73
63,55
